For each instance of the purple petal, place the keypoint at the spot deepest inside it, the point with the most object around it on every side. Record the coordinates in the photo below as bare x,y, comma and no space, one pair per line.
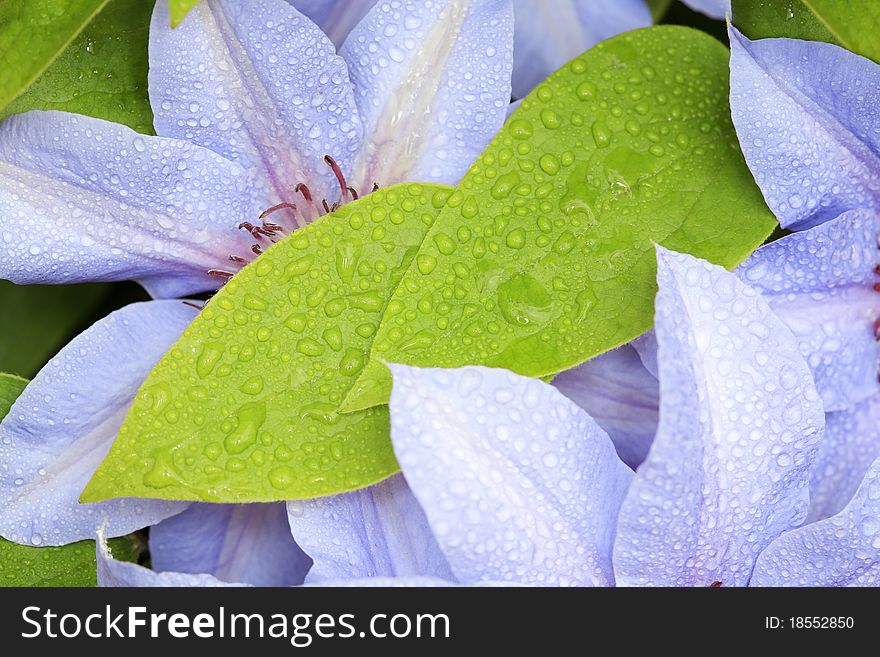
88,200
851,444
249,543
740,421
62,425
713,8
258,83
820,282
335,17
517,482
549,34
122,573
380,531
432,84
840,551
808,119
387,582
621,396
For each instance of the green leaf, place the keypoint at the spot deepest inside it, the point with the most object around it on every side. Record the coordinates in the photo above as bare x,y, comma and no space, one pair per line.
853,24
243,407
544,256
38,319
179,9
103,73
70,565
10,388
33,33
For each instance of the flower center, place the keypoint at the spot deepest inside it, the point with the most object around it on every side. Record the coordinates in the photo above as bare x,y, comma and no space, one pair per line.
287,217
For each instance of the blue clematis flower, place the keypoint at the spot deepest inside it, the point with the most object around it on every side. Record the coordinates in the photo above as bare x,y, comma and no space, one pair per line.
248,98
506,481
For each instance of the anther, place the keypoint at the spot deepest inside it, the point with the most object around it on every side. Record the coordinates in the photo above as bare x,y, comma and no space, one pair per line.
715,585
256,249
220,273
375,187
877,269
354,195
238,260
877,329
876,287
326,207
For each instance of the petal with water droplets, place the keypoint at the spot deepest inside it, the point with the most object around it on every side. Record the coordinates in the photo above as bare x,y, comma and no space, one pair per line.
249,543
62,426
259,83
740,422
89,200
808,119
517,482
820,282
380,531
432,84
843,550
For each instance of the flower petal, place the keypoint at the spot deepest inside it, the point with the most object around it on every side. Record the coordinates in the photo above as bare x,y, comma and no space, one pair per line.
432,84
249,543
257,82
380,531
713,8
62,426
122,573
840,551
851,444
517,482
740,420
621,396
88,200
387,582
549,34
335,17
809,125
820,282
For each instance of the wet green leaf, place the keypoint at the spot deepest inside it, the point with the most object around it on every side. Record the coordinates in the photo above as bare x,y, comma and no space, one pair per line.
103,73
853,24
243,407
544,256
33,33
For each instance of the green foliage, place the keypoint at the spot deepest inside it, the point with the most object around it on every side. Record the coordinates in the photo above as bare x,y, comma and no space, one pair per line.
33,33
853,24
243,407
179,10
544,256
103,73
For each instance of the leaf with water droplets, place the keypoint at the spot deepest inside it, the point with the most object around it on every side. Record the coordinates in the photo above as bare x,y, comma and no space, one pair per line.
544,255
33,33
243,408
852,24
179,9
70,565
102,73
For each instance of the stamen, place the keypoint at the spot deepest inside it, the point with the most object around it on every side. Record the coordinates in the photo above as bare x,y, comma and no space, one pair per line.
256,249
326,207
221,273
353,193
344,196
715,585
238,260
194,305
276,208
